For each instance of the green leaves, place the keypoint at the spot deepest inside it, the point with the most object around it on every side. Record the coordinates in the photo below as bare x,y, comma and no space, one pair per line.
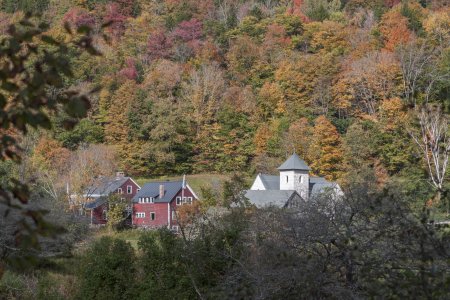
33,64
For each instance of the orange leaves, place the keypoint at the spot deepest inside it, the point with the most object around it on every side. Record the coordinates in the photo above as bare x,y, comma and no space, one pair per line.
186,214
49,154
394,29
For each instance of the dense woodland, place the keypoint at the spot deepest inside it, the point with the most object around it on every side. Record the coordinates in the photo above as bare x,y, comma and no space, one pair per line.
360,89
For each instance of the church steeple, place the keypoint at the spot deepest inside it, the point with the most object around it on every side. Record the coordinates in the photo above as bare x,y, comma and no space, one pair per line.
294,175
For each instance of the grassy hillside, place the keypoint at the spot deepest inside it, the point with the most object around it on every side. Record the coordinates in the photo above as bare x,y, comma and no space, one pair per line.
196,181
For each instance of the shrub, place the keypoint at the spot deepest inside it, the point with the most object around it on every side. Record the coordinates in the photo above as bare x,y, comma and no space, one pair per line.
107,270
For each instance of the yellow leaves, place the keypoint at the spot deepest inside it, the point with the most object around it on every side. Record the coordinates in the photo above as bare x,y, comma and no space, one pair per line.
271,100
392,113
327,36
437,25
261,138
326,149
298,138
116,130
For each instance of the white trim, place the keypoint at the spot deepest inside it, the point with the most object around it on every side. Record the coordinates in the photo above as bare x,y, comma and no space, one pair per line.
192,191
139,187
131,189
140,215
168,215
154,216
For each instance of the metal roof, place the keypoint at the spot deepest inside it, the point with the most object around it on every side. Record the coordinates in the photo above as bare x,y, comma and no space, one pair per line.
105,185
265,198
271,182
294,163
151,189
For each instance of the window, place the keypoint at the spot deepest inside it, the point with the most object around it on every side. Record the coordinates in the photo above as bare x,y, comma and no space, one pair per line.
300,179
174,215
138,190
129,189
178,200
189,200
152,200
175,228
152,216
287,178
140,215
119,190
105,214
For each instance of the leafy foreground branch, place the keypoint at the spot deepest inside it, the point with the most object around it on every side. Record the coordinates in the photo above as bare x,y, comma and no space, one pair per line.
33,70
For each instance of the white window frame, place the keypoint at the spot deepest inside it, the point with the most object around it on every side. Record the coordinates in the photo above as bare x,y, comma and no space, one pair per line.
179,201
119,191
189,200
140,215
129,189
152,216
175,228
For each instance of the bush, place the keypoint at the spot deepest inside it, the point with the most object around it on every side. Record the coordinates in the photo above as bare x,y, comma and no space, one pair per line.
107,270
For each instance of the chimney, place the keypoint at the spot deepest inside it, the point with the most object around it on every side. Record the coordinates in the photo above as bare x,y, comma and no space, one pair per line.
120,174
161,191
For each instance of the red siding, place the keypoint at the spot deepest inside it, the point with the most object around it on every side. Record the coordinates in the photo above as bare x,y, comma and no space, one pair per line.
163,214
160,210
97,215
124,194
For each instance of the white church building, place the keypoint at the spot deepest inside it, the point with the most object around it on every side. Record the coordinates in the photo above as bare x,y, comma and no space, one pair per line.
292,185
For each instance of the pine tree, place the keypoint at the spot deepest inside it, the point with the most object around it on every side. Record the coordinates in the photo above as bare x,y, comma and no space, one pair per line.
326,149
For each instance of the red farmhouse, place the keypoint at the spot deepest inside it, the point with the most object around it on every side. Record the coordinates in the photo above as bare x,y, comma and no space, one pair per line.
97,195
156,203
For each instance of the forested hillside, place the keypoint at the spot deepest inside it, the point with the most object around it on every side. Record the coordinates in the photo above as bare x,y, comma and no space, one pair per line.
232,85
221,90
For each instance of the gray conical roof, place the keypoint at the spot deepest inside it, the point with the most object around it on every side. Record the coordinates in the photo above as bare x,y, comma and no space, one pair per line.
294,163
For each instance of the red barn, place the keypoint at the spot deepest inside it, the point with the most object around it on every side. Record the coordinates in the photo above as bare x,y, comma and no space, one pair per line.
97,195
156,203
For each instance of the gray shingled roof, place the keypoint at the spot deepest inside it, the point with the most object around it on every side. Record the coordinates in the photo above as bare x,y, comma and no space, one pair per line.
106,185
294,163
151,189
269,197
271,182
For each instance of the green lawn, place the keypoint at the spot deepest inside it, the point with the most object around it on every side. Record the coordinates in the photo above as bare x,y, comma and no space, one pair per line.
195,181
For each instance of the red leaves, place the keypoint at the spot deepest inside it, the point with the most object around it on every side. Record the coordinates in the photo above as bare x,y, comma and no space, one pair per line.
189,30
79,17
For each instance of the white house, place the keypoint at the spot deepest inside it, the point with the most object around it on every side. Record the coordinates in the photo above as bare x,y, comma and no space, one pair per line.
293,183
